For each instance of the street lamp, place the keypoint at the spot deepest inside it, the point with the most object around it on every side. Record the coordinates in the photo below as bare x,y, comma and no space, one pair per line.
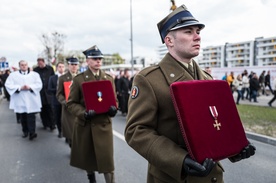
131,39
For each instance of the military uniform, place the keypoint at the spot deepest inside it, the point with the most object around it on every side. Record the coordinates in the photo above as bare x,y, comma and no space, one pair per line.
67,118
152,128
92,145
92,142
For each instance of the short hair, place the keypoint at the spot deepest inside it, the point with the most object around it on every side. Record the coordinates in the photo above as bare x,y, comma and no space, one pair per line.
21,62
40,59
59,63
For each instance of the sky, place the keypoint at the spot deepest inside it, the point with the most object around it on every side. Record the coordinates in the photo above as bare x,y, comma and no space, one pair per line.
106,23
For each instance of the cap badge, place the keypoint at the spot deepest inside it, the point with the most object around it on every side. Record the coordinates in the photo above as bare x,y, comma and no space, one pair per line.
134,92
172,75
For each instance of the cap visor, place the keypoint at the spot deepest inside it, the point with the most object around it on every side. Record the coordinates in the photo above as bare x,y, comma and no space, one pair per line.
187,24
99,56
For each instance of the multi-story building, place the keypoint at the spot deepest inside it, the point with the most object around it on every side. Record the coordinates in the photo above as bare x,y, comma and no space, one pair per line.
212,56
239,54
260,52
161,51
266,51
256,55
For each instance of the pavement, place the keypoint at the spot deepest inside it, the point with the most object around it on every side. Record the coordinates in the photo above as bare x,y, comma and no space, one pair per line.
262,101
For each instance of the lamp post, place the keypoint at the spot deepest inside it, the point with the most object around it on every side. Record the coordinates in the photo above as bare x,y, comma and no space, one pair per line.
131,39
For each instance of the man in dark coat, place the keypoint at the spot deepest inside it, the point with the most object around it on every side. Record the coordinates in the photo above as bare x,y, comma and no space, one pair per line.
46,114
267,82
52,89
92,143
254,87
152,127
124,89
4,78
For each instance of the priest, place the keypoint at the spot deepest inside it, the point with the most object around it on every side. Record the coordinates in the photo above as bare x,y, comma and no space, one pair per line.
24,87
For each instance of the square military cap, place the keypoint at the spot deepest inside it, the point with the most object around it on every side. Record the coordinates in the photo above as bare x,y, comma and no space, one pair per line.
177,19
93,52
72,60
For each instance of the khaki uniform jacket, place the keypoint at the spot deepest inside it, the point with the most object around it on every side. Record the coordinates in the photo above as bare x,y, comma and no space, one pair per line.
67,119
152,128
92,143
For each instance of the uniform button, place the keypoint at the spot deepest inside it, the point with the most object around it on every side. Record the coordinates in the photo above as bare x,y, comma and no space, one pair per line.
93,124
214,180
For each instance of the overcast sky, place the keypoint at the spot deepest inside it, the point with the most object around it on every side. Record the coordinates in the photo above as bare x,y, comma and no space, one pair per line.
106,23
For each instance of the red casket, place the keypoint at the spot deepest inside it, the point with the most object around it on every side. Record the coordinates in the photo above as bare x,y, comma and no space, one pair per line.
208,119
98,96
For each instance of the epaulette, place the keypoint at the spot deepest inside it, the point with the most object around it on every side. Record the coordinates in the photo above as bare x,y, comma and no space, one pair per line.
81,73
148,70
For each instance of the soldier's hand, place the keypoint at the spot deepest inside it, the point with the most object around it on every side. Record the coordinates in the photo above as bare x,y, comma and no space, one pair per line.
112,111
245,153
89,114
194,168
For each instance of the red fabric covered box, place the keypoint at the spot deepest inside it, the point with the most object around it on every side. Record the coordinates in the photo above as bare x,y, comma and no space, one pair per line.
208,119
98,96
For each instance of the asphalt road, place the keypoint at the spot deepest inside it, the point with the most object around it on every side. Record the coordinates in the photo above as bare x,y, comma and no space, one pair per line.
46,159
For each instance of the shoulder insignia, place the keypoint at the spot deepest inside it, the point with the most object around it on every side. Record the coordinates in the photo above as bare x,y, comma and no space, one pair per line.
134,92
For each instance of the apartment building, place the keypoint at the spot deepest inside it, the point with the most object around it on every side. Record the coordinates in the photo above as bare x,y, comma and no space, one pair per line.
259,52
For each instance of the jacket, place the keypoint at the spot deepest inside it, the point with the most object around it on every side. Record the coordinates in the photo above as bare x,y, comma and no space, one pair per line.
45,74
92,143
67,119
152,128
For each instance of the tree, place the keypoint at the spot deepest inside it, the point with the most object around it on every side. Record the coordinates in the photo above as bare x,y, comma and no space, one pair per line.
53,46
117,59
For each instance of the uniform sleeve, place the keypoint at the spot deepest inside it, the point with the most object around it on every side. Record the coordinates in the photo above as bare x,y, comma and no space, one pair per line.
74,100
60,91
141,135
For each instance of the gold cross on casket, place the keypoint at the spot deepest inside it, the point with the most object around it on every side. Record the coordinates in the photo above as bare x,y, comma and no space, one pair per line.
217,125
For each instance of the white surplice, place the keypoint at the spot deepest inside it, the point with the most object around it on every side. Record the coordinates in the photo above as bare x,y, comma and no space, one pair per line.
26,101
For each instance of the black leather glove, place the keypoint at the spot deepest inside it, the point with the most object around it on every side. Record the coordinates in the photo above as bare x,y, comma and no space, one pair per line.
245,153
193,168
112,111
89,114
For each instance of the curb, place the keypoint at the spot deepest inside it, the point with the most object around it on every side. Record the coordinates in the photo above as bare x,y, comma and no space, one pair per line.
261,138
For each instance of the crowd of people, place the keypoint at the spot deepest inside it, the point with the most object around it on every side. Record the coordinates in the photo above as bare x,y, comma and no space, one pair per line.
249,86
60,103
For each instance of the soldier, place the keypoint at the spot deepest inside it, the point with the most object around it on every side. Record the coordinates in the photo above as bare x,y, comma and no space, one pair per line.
92,143
67,119
152,127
